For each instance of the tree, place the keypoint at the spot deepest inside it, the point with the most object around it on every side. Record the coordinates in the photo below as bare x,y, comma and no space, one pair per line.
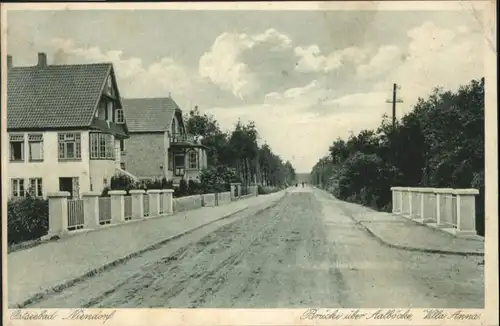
440,143
238,151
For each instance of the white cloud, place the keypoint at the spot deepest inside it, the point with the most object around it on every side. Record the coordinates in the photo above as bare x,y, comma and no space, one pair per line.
224,65
383,61
435,57
312,60
292,122
301,122
134,78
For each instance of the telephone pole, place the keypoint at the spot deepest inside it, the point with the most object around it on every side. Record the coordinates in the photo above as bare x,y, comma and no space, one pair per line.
394,100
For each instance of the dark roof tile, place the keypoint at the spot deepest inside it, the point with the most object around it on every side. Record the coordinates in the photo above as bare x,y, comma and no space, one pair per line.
149,114
57,96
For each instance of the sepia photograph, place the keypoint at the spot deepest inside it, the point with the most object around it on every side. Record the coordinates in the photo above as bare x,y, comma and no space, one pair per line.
322,158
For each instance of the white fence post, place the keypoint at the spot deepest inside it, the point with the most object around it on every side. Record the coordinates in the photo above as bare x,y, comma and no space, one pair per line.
137,203
233,188
409,198
117,206
426,210
466,211
154,202
443,208
58,213
169,201
396,204
415,203
91,209
161,201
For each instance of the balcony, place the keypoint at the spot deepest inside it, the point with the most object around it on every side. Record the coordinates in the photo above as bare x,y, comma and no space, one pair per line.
181,138
181,143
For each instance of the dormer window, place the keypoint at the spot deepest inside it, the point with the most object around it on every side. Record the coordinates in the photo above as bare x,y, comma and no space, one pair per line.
120,118
109,86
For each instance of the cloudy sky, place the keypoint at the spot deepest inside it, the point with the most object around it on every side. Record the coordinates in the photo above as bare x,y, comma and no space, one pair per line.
304,77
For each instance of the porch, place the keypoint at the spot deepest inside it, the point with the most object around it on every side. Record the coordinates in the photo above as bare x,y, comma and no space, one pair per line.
186,158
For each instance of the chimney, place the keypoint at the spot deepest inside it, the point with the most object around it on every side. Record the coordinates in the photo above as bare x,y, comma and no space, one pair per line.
42,60
9,62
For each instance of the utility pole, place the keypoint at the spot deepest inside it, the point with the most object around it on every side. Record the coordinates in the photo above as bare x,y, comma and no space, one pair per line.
394,100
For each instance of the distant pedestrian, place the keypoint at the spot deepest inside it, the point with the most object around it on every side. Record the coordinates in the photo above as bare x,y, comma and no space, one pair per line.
302,184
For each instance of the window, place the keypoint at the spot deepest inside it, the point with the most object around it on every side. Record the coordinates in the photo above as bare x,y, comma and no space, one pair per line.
70,146
109,86
179,164
109,113
122,165
17,187
36,187
120,118
102,146
35,145
17,147
122,145
193,160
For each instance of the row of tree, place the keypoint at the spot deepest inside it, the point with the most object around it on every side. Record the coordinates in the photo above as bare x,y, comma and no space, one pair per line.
440,143
239,151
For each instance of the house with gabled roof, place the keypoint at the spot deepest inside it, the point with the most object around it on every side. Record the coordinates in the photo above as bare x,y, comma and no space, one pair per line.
159,145
65,127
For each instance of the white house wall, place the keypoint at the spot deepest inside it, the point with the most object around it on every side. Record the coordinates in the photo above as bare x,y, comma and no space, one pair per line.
51,169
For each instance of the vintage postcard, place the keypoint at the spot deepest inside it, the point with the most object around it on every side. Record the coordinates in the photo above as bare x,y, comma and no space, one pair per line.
286,163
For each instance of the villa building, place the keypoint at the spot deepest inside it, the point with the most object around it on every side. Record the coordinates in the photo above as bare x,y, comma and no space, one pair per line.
66,128
159,145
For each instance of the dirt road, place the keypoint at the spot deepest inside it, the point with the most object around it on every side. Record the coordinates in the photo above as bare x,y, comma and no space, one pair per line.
304,252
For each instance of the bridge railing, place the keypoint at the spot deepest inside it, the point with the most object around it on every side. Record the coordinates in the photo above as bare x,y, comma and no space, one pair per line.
450,209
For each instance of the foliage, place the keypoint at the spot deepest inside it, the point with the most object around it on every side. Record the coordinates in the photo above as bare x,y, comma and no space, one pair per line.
239,151
27,219
440,143
261,190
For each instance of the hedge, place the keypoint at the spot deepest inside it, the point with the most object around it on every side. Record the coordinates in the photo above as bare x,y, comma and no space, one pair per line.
27,219
185,188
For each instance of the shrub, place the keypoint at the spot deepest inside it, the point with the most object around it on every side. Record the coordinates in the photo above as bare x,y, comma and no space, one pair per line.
195,188
153,184
167,184
105,192
217,179
182,190
122,182
261,190
27,219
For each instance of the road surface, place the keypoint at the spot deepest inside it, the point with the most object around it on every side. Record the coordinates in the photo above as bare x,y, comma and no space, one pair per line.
304,252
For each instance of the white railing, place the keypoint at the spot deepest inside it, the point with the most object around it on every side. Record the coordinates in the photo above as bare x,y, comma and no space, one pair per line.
75,214
449,209
93,211
145,204
162,204
104,210
127,203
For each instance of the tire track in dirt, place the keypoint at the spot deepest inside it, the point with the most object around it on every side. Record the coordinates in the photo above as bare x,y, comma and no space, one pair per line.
210,285
211,245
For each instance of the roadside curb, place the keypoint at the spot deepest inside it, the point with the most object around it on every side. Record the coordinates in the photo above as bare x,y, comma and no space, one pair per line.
407,248
62,286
